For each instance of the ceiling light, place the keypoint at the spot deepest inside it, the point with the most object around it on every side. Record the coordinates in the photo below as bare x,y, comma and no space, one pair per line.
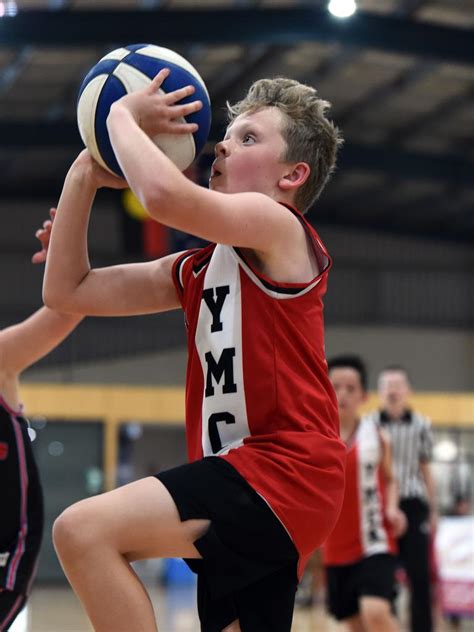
342,8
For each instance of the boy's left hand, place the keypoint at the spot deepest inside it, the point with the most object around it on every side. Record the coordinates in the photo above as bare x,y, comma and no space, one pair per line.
157,113
398,520
44,235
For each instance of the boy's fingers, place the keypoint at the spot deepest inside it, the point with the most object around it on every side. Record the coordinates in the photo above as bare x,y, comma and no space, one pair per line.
39,257
158,80
181,93
183,128
184,110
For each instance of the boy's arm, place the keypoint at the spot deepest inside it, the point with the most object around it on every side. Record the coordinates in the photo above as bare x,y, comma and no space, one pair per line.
251,220
69,283
23,344
396,517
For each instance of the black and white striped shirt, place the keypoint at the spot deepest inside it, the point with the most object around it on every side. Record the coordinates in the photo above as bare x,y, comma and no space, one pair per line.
412,443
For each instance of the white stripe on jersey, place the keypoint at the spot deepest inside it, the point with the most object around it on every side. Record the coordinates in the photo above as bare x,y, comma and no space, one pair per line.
223,270
373,534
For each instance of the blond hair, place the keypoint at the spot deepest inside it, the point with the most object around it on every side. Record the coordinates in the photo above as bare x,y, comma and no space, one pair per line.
310,137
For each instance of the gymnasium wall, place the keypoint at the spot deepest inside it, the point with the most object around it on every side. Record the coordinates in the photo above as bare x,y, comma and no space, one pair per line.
391,298
438,360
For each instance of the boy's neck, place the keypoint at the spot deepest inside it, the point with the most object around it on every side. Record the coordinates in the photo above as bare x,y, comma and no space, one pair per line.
348,425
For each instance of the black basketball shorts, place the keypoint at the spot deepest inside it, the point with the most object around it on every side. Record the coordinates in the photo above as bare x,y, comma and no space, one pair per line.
248,569
21,523
373,576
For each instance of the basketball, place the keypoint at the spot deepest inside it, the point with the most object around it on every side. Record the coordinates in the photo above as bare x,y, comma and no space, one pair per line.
129,69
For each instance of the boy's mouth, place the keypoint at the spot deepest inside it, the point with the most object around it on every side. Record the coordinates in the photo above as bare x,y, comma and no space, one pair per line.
215,172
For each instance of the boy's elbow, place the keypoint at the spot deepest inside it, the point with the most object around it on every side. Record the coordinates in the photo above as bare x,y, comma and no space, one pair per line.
54,300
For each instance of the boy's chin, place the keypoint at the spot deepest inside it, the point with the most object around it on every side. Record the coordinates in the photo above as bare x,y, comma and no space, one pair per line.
217,186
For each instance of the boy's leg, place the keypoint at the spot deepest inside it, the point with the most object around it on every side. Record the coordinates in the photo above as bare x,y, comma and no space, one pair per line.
377,616
342,596
353,624
97,538
377,591
233,627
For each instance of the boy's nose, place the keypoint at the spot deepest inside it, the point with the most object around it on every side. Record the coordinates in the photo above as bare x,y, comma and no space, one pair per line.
222,148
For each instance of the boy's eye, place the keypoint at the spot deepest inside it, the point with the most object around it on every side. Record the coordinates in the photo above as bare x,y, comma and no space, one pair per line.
248,139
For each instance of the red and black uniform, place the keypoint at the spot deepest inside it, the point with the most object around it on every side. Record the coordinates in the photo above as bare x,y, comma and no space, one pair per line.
21,523
258,396
359,553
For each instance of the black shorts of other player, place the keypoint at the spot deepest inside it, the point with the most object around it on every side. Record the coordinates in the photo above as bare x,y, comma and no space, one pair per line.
373,576
21,521
249,566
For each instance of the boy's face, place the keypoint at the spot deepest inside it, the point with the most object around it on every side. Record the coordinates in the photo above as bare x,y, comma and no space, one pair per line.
249,157
394,389
349,391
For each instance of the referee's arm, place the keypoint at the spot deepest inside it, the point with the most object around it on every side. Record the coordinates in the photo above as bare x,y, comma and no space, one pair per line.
426,455
425,469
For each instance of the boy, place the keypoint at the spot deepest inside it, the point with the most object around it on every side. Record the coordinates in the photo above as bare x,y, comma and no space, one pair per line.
265,479
359,553
21,498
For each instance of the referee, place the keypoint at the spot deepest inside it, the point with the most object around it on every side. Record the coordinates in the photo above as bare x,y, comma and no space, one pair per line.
412,444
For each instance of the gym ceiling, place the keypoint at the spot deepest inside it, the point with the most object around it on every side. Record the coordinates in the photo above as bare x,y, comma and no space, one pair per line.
399,73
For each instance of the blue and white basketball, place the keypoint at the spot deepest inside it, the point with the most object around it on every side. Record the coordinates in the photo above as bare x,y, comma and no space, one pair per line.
129,69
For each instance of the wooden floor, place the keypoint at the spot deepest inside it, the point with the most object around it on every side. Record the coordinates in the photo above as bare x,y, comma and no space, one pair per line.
56,609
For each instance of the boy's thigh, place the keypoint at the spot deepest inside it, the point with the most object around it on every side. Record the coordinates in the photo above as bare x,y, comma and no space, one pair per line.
377,578
265,605
139,520
249,563
343,591
245,540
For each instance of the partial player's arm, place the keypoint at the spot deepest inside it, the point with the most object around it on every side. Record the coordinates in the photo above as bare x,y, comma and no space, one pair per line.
425,468
251,220
70,285
396,517
25,343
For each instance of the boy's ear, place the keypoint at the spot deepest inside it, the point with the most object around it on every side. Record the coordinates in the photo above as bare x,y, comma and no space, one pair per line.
296,177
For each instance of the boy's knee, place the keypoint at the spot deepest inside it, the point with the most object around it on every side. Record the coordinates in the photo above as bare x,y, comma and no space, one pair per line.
375,613
73,530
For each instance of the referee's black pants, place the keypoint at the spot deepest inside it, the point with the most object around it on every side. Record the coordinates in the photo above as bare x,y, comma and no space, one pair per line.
414,548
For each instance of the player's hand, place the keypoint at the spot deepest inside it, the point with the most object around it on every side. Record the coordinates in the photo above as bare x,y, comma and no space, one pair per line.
97,175
398,520
44,235
159,113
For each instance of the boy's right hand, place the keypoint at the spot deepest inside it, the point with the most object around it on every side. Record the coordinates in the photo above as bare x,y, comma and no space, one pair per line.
44,235
99,177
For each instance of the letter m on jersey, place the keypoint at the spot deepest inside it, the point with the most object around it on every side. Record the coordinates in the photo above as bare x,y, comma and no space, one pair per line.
223,367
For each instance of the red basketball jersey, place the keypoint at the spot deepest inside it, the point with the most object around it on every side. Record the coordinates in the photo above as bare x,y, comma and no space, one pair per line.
362,528
257,389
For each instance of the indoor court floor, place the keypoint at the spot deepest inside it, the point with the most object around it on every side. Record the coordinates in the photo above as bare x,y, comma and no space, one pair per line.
56,609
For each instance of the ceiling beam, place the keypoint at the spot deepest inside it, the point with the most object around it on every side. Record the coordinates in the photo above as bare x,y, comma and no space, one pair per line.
237,25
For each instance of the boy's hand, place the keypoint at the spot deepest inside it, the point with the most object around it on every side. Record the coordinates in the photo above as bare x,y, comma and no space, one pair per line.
96,175
44,235
157,113
398,520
